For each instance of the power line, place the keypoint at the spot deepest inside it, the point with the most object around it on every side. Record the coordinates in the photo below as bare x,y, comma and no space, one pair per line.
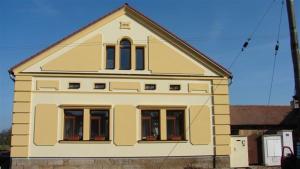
263,17
192,121
245,45
275,54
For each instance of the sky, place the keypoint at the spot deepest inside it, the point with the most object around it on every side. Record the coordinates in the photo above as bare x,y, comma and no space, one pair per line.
218,28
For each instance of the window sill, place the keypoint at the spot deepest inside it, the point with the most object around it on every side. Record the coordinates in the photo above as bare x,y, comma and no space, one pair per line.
85,142
162,141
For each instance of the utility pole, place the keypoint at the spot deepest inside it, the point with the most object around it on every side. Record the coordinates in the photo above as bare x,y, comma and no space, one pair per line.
296,65
295,52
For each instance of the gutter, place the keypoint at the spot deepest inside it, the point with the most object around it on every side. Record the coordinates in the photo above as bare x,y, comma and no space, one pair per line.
12,75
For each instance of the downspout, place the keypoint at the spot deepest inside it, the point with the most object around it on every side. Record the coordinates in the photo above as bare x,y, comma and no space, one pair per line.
230,80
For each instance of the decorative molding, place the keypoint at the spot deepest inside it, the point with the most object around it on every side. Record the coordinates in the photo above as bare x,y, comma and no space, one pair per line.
124,25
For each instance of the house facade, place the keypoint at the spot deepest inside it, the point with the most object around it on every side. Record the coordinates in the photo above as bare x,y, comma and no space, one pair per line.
120,88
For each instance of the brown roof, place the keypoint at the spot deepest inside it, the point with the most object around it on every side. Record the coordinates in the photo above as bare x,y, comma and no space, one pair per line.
261,115
129,8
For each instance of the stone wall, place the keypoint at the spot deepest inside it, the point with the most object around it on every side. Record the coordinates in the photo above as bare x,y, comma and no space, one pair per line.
203,162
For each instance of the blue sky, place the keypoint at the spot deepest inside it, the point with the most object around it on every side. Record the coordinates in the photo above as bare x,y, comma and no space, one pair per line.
218,28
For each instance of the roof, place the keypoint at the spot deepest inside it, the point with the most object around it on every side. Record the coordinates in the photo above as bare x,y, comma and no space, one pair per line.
130,10
261,115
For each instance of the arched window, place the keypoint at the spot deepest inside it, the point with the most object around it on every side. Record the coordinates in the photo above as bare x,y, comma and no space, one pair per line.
125,54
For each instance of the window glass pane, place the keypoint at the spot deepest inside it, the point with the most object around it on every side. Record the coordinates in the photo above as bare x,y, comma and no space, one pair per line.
99,125
74,85
175,125
174,87
110,57
100,85
145,128
140,58
73,124
125,55
150,125
125,43
150,87
69,124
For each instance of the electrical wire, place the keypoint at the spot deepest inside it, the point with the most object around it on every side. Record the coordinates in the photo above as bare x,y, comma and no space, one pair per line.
235,59
207,100
275,54
272,79
246,43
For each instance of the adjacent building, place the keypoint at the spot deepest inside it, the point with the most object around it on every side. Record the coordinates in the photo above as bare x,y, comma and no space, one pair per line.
255,121
121,88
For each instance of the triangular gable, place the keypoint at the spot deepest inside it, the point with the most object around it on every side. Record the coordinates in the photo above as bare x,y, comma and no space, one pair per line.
140,18
84,57
159,60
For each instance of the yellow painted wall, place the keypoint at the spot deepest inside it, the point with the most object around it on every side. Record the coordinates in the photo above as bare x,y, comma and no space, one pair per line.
163,124
22,96
220,89
222,129
87,96
20,129
47,84
221,99
222,119
221,116
23,78
86,124
220,81
45,128
22,85
21,116
200,125
222,150
222,139
21,107
87,85
198,87
83,57
163,59
125,125
221,109
19,151
20,140
125,86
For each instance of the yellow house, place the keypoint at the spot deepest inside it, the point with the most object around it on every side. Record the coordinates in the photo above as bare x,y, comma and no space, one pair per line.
120,92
